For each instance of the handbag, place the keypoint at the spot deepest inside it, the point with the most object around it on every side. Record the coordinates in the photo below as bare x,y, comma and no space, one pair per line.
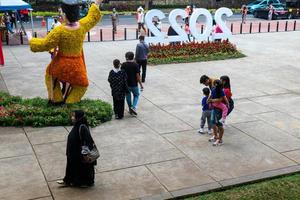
89,155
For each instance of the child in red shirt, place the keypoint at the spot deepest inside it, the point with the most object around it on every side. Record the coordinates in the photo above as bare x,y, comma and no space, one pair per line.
227,90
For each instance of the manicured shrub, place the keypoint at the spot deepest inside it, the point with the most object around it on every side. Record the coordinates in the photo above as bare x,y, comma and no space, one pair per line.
15,111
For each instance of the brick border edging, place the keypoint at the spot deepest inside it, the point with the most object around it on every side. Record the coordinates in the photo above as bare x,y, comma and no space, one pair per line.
225,184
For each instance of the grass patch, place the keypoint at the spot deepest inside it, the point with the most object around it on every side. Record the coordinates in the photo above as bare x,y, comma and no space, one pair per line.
16,111
282,188
192,52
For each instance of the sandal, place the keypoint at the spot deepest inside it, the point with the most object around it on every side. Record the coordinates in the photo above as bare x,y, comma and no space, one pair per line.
217,143
212,139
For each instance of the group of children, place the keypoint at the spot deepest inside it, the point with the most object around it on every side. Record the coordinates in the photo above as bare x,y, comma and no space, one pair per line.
217,96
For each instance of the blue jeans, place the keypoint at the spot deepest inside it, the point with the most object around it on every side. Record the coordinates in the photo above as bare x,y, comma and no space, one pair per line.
136,93
9,28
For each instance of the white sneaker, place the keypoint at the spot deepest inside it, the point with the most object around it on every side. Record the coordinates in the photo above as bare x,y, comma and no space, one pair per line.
201,131
209,132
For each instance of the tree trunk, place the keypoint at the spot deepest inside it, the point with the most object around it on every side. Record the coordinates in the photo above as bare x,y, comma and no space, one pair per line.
146,4
213,3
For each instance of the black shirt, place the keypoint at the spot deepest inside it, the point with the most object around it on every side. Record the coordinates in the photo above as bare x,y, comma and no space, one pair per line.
118,83
131,69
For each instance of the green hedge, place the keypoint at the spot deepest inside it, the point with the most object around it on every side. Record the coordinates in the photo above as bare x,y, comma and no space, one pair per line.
16,111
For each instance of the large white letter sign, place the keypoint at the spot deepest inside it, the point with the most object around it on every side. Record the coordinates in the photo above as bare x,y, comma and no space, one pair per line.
182,36
158,36
218,18
208,26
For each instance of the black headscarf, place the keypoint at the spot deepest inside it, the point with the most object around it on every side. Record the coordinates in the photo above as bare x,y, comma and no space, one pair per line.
80,118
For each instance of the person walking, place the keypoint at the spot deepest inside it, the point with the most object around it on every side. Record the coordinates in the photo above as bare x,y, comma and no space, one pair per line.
244,11
118,82
141,56
140,19
133,78
114,19
78,172
13,20
7,22
271,11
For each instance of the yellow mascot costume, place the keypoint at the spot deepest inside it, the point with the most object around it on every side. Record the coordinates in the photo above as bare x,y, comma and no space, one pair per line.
68,65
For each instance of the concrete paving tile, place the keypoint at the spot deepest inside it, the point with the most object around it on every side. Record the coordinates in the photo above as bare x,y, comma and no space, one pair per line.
259,176
14,144
162,196
195,190
116,185
136,153
10,130
52,157
117,138
296,115
132,125
179,174
282,121
237,116
240,154
45,198
267,134
250,107
288,103
21,178
188,113
162,122
46,135
293,155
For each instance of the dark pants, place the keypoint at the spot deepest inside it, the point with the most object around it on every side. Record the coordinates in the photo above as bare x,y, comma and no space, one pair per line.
119,107
231,106
143,64
114,25
141,25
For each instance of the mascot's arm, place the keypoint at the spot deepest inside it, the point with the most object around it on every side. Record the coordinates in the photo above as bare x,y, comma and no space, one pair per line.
92,18
45,44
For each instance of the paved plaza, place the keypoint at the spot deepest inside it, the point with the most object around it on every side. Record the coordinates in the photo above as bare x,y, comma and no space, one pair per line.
159,154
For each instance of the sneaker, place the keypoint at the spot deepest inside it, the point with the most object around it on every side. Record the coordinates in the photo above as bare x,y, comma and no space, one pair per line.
132,111
212,139
62,183
209,132
201,131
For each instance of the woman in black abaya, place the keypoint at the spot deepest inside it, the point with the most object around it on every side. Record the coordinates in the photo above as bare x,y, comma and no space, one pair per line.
78,173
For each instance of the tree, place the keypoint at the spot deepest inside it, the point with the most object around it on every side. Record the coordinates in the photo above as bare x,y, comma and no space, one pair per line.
147,4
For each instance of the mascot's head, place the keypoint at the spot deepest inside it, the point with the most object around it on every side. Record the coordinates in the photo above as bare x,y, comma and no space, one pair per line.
70,9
